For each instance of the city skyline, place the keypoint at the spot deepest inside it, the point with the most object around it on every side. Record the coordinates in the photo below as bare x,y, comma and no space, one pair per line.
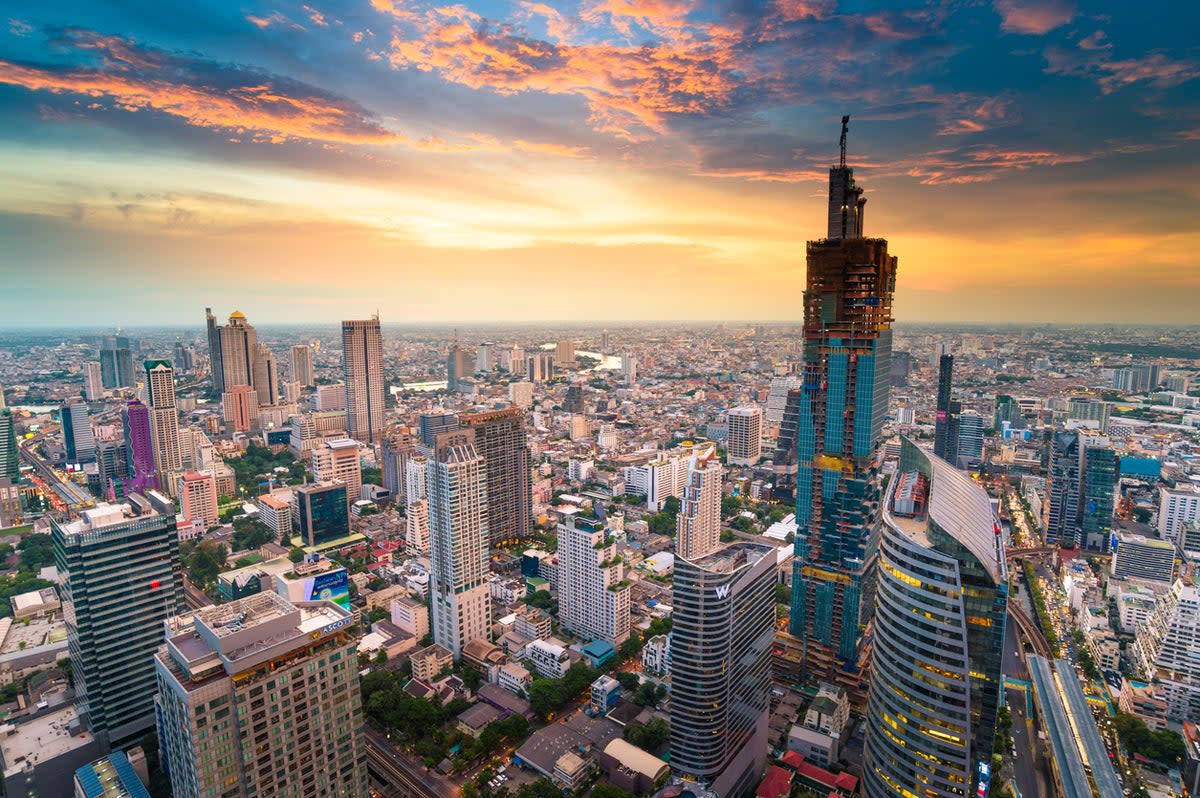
252,151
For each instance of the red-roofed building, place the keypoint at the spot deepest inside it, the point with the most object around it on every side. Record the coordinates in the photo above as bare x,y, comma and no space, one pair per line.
835,785
776,784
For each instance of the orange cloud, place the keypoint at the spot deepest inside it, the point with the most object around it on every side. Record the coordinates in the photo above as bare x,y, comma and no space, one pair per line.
1034,17
249,105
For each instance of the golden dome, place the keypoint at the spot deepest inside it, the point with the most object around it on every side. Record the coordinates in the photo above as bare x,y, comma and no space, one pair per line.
237,314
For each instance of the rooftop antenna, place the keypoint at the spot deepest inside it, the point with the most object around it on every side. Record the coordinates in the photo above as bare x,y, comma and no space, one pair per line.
845,175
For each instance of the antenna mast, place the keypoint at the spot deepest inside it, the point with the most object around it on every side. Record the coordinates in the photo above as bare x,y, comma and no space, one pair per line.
845,128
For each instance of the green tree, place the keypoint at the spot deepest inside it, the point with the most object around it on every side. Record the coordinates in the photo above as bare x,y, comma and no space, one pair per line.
296,554
37,552
650,736
250,533
629,681
545,697
610,791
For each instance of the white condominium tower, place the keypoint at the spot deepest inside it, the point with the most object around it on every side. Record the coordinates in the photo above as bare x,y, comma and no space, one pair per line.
460,601
698,525
164,421
592,588
744,446
362,364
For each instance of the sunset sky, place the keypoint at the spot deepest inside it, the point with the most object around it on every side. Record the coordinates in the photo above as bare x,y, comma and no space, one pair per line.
1028,160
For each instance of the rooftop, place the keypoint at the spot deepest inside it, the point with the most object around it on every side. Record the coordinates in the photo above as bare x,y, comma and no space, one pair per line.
734,556
40,739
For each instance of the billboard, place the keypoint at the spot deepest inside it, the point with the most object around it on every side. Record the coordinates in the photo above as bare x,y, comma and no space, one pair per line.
330,586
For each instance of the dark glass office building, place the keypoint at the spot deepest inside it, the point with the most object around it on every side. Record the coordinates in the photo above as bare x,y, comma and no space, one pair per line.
322,513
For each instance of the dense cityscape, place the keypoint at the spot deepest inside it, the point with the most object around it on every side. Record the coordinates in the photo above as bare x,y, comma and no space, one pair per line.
844,557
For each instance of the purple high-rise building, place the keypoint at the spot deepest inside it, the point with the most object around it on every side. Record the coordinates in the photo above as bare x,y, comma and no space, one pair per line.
139,450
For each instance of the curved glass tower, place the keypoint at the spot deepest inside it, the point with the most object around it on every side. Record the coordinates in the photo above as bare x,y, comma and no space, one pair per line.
942,595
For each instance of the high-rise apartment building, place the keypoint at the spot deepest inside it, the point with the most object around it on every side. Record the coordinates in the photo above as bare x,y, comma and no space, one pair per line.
164,422
266,376
520,394
501,440
836,444
629,368
215,362
744,444
969,451
239,408
362,366
539,366
593,593
724,624
239,348
302,365
259,697
116,363
93,381
698,525
777,398
338,461
935,685
78,439
396,451
197,492
1092,412
416,532
564,354
459,595
1176,507
119,579
1165,651
946,430
458,364
10,455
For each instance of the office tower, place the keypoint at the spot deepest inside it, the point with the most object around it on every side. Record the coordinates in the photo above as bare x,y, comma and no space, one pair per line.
501,440
302,365
239,408
593,593
197,492
239,348
119,579
540,366
744,445
723,607
265,380
521,394
322,513
1100,475
564,354
839,412
330,397
1062,489
573,401
698,525
945,434
139,448
629,368
215,363
77,432
1165,651
10,455
969,450
458,365
259,697
1176,507
902,363
164,421
1007,410
459,599
116,363
362,365
1140,557
184,357
484,359
935,685
397,449
338,461
777,399
93,381
110,470
434,424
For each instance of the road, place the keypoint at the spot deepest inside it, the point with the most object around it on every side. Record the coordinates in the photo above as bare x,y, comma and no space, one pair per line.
396,773
1029,769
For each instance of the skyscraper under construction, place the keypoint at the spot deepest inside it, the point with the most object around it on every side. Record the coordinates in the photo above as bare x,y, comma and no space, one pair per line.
833,428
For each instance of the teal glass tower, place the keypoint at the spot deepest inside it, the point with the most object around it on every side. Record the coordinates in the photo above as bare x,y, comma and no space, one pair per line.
119,579
838,413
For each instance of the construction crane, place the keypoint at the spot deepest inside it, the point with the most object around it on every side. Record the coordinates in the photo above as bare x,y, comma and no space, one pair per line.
845,128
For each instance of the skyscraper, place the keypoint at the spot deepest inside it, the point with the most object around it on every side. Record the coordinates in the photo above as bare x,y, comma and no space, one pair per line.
459,597
592,591
501,440
139,448
78,439
945,431
744,444
941,604
93,381
322,512
458,364
969,451
273,686
10,455
116,363
698,525
839,412
215,362
197,492
164,422
239,407
239,348
266,376
416,512
119,579
362,364
1080,490
433,424
1062,488
724,622
337,461
302,365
